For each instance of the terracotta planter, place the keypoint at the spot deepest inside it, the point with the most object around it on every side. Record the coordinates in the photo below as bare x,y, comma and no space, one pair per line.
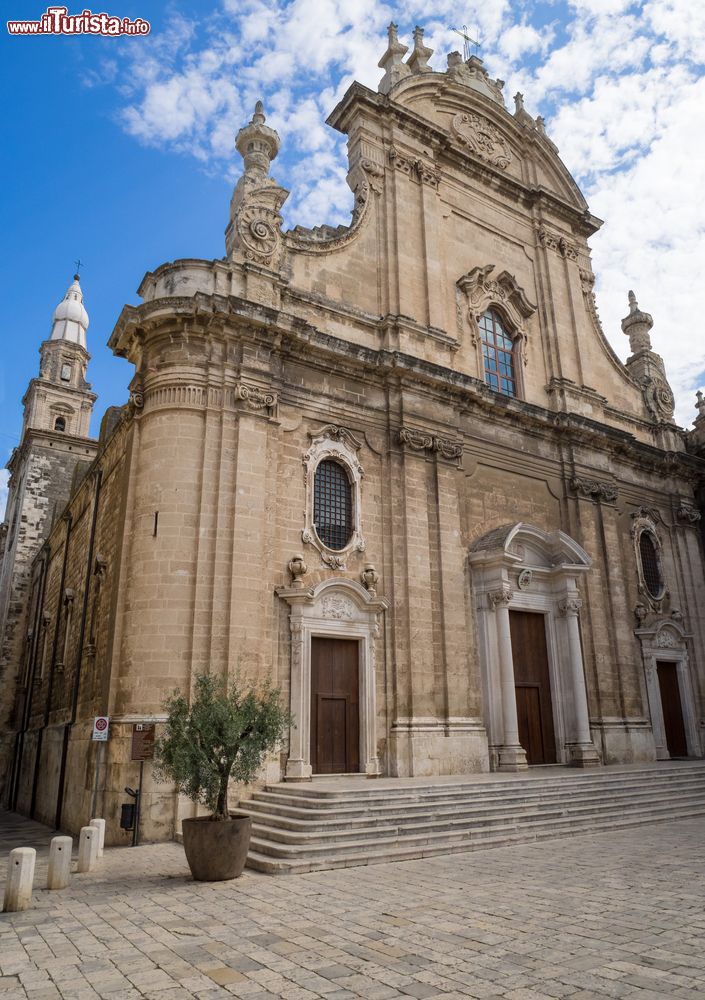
216,850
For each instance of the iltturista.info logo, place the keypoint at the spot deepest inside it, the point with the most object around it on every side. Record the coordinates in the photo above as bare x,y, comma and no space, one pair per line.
58,21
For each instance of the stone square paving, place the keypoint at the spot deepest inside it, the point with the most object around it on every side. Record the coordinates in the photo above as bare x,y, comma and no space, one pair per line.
611,915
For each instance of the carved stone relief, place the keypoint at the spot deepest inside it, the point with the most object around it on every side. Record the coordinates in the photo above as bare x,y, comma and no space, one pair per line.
421,441
593,489
482,138
559,244
687,514
338,607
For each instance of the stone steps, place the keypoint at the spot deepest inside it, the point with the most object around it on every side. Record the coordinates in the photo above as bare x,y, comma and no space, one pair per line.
269,809
306,828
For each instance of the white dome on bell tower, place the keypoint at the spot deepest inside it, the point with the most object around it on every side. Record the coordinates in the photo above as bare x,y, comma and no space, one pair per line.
70,319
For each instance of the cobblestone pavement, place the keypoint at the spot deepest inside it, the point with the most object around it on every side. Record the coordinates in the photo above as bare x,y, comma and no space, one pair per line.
610,915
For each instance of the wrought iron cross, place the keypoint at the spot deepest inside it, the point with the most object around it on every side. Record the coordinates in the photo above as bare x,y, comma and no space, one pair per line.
467,41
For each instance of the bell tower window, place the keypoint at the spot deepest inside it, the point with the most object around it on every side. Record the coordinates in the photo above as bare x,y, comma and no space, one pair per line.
66,373
497,354
60,424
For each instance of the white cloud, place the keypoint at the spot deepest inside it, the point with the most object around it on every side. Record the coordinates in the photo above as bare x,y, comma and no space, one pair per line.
619,81
4,480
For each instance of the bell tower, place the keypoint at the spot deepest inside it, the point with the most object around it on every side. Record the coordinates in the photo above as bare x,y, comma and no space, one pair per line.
55,440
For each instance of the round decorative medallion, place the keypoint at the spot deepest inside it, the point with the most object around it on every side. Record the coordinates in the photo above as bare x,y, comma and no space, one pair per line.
258,230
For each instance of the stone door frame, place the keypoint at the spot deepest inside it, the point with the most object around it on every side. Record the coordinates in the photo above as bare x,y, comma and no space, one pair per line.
336,609
667,641
521,567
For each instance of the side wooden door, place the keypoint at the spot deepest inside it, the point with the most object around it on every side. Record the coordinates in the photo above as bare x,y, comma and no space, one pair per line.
335,725
533,686
672,709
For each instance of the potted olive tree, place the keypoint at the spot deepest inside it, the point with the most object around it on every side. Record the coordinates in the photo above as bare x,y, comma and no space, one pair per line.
221,736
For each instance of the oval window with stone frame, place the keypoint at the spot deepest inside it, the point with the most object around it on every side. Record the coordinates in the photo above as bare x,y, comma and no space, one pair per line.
651,571
332,504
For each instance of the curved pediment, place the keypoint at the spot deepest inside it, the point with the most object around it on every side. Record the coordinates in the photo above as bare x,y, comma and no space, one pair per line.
476,121
529,543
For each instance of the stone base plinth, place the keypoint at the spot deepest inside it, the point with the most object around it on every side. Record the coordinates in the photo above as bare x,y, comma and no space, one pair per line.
624,742
583,755
428,747
512,758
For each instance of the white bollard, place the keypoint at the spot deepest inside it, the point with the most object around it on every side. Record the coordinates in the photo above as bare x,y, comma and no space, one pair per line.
88,849
20,877
59,873
99,824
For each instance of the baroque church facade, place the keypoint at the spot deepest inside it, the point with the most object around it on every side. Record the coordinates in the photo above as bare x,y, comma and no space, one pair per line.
394,465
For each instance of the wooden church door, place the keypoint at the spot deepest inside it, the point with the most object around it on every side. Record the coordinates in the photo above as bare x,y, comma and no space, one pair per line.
335,725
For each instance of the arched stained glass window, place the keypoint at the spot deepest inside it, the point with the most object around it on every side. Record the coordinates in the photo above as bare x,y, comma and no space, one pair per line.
497,354
332,504
650,567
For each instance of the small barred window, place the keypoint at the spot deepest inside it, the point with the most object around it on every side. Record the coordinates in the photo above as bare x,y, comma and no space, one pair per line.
497,354
332,504
650,565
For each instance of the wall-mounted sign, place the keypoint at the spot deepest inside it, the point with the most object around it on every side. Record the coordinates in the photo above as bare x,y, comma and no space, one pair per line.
524,581
142,741
101,726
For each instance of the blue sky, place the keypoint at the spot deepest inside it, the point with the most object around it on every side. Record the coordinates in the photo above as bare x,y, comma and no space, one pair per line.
120,151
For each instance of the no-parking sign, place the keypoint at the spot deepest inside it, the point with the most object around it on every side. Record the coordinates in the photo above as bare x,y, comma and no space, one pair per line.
100,728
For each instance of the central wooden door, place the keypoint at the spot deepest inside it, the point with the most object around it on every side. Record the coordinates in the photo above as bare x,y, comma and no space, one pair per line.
335,715
533,686
672,709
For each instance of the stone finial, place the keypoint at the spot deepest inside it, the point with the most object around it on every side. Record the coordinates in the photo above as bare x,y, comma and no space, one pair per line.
637,325
520,112
700,403
254,229
257,143
418,60
541,124
391,62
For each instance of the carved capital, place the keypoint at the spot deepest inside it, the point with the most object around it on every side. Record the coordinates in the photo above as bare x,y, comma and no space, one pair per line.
500,598
557,243
593,489
421,441
570,607
447,449
415,440
254,397
688,514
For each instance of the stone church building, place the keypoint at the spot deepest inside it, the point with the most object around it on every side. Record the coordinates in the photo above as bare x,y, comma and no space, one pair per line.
395,465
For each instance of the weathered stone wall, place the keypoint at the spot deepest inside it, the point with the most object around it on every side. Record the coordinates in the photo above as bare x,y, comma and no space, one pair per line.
368,338
42,472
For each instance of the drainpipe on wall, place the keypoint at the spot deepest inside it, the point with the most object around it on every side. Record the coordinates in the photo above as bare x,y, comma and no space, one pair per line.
79,655
47,708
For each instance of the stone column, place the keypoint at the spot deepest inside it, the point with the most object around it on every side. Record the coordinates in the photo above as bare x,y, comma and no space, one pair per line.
582,751
298,766
512,756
